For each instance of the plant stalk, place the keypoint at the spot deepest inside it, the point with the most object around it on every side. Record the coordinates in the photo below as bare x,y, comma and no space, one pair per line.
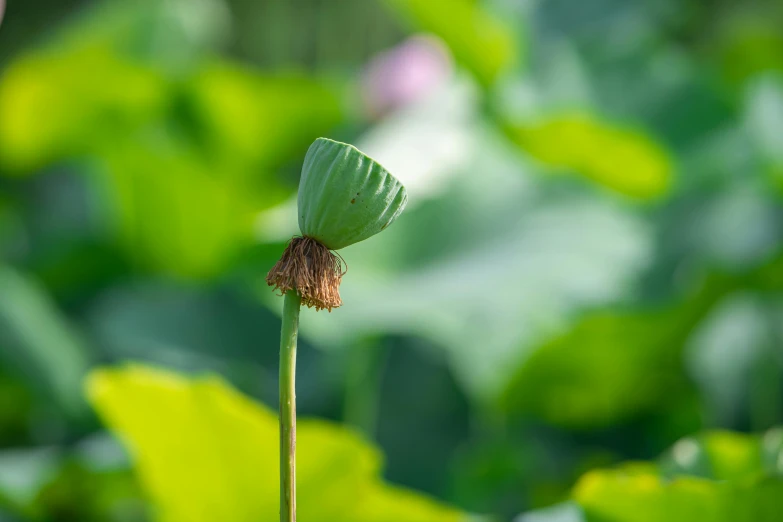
288,336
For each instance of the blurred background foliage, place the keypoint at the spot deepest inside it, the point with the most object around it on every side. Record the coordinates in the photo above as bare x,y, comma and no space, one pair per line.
590,270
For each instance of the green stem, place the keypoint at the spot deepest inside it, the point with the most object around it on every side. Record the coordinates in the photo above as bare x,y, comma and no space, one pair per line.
288,406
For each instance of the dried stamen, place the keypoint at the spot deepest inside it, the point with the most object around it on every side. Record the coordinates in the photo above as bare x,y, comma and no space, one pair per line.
312,270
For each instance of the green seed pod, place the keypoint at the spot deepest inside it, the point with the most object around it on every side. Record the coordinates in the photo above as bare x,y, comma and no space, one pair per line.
345,196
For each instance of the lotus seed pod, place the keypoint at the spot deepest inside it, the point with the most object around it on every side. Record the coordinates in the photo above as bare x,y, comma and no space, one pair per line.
345,196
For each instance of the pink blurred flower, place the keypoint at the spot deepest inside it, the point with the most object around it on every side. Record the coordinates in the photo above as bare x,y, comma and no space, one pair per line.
405,73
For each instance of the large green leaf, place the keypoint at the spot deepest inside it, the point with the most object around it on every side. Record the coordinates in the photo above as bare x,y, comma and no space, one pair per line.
204,453
622,159
610,365
480,41
638,494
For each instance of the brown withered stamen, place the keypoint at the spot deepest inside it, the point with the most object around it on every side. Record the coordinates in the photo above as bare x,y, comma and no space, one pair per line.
311,269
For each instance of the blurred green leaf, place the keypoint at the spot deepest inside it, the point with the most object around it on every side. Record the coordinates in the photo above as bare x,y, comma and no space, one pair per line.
717,477
387,503
611,365
256,121
171,212
622,159
205,452
37,341
54,108
481,41
637,494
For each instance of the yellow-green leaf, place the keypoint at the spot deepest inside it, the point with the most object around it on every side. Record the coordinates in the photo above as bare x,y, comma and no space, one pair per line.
622,159
388,503
642,496
204,452
52,106
633,495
